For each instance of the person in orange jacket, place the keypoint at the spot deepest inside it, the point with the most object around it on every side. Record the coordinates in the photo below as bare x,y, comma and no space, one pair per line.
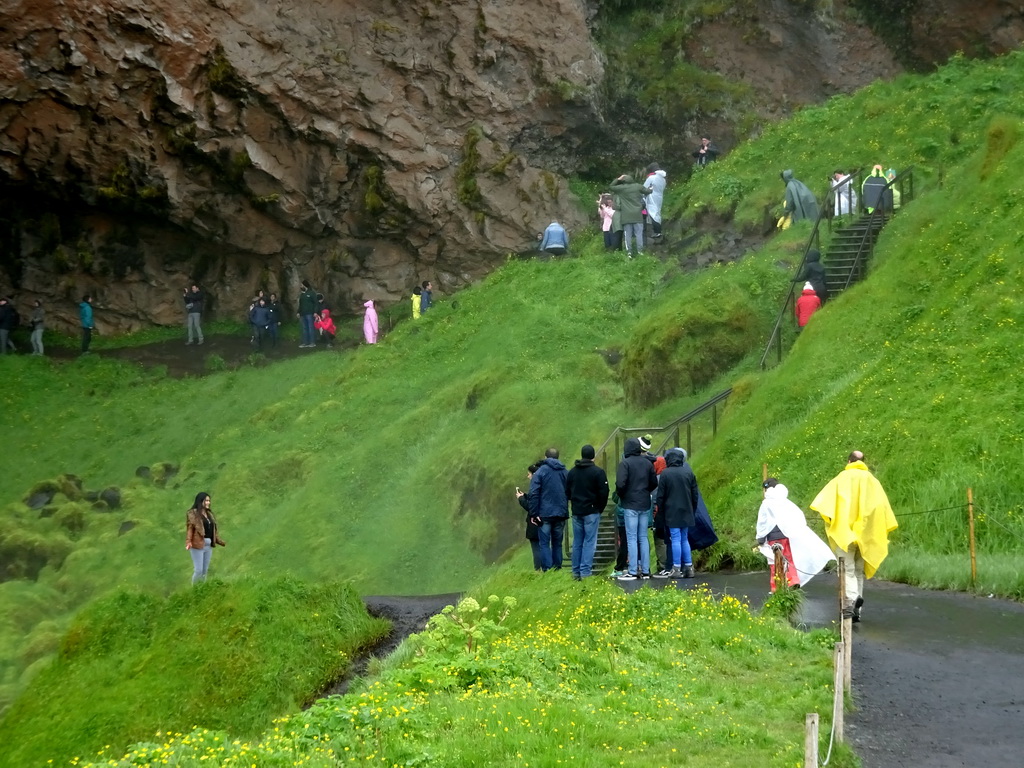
806,305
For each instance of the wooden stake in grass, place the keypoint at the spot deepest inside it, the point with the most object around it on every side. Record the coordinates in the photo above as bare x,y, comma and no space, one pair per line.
811,740
970,524
842,586
838,697
848,654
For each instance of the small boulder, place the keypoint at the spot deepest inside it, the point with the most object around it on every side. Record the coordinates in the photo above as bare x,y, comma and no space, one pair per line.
144,472
111,496
126,526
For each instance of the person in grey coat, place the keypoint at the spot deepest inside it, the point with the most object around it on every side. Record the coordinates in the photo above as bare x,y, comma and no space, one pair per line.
36,320
800,201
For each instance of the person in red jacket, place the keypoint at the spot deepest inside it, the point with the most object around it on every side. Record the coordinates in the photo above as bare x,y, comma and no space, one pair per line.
806,305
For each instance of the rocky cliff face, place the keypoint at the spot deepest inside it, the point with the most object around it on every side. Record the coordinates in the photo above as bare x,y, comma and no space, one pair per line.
366,145
371,144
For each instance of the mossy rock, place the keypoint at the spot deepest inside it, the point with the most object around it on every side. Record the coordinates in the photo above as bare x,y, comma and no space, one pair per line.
41,494
111,496
70,486
126,526
24,554
164,472
73,519
144,472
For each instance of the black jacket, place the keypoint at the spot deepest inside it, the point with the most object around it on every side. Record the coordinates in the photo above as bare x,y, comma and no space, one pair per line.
587,488
814,273
677,492
193,302
635,478
8,317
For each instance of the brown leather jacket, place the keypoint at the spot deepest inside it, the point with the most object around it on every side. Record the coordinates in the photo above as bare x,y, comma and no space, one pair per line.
194,530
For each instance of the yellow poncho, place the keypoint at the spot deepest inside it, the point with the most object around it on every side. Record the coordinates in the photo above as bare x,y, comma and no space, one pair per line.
856,509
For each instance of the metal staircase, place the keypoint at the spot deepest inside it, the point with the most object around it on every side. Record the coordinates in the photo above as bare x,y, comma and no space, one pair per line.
846,256
610,451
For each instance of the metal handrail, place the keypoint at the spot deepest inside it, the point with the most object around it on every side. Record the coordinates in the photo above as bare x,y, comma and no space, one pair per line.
709,404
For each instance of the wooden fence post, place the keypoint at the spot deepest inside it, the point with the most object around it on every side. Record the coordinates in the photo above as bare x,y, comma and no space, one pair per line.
970,522
848,654
764,472
811,740
838,698
842,586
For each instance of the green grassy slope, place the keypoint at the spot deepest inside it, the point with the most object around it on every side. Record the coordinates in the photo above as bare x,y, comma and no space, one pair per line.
574,674
230,656
393,467
918,368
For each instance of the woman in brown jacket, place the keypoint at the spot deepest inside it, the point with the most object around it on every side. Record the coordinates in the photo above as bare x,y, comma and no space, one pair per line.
201,536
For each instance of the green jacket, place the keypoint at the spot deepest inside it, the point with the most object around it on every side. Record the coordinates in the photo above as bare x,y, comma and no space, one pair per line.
307,302
629,200
800,201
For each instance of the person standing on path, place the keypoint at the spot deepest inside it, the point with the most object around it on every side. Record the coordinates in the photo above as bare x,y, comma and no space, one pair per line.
8,322
676,500
532,531
259,318
634,480
858,520
587,489
370,322
549,507
308,307
201,536
37,320
417,302
86,321
655,186
194,307
781,522
813,272
426,296
629,204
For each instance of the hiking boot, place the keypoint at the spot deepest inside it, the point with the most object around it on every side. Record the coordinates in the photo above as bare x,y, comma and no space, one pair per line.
662,574
627,577
856,608
689,573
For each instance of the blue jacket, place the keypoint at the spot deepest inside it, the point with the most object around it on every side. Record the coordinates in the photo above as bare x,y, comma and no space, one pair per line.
85,314
547,490
425,299
554,236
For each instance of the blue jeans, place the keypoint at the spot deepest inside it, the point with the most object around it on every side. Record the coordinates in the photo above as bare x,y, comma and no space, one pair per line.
201,561
636,536
681,554
550,536
308,333
584,543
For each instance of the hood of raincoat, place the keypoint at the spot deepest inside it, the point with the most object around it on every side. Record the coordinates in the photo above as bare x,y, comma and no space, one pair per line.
632,447
813,255
674,458
368,304
787,176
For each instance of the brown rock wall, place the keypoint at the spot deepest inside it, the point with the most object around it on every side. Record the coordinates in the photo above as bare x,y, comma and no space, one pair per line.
254,143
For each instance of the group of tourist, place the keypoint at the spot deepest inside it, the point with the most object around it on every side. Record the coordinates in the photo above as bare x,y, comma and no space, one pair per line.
627,208
10,320
661,492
